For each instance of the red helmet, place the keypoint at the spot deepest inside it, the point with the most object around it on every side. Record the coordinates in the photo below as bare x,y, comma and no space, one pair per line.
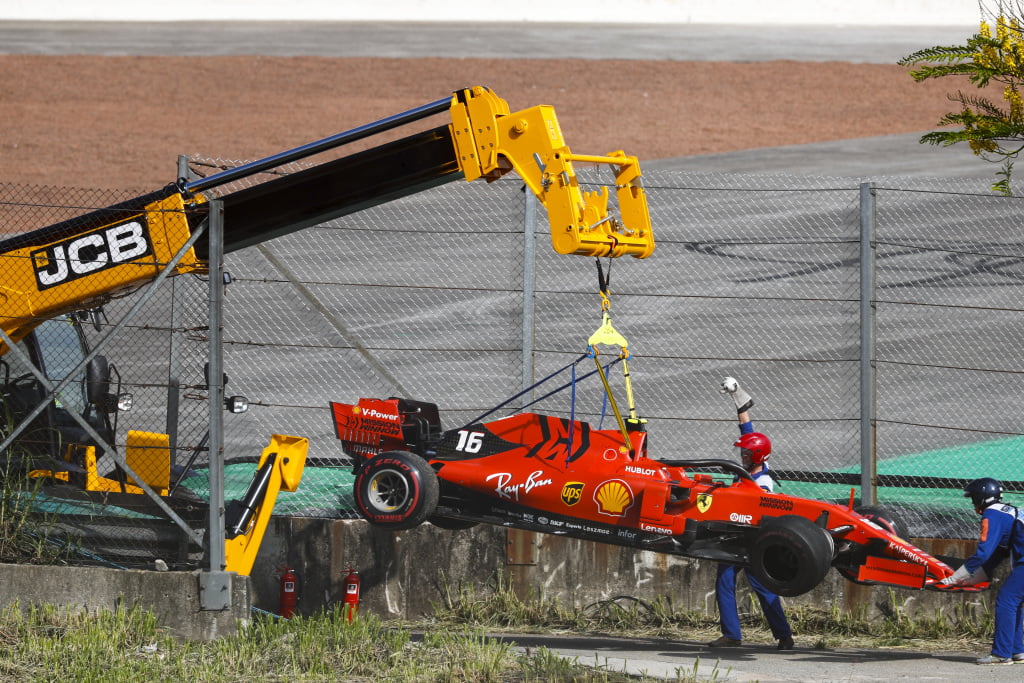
757,444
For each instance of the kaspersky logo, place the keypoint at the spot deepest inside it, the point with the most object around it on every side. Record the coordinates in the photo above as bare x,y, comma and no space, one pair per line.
90,253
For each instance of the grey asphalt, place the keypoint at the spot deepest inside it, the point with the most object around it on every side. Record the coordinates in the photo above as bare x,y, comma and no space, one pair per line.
675,42
679,659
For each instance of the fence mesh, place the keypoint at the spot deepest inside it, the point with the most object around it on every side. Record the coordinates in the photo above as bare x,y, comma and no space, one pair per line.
435,297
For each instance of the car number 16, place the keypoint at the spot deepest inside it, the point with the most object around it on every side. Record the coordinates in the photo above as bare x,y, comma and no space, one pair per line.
470,442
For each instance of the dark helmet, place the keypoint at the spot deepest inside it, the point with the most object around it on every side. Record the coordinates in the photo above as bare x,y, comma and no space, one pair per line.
983,492
757,445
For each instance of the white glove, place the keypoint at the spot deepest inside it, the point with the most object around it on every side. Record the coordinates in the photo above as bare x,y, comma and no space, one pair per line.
962,577
740,398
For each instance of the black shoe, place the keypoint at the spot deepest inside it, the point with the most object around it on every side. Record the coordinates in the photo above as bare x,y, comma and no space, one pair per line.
786,643
725,642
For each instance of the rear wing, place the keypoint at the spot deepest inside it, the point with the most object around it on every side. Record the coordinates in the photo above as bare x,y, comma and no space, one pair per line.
375,425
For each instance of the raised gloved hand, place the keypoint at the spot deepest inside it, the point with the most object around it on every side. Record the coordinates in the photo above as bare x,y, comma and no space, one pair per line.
741,398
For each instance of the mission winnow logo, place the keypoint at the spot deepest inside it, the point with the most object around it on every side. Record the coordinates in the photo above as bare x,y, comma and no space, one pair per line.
90,253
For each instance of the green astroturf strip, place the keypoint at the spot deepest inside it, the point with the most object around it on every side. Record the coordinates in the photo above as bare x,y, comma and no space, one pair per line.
327,489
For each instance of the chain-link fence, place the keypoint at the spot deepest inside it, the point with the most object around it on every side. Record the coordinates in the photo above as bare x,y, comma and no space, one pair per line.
454,296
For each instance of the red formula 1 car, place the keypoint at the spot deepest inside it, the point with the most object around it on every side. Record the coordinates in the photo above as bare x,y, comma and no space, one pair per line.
552,475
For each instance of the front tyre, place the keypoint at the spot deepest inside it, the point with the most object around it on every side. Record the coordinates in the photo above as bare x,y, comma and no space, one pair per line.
791,555
396,490
887,519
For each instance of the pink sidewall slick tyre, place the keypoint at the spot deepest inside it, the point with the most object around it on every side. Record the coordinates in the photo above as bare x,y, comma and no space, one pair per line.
396,490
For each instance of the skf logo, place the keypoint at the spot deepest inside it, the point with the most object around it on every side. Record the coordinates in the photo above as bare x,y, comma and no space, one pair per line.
704,502
95,251
613,498
572,492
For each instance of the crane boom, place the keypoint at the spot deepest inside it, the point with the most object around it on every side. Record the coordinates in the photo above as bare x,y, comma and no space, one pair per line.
81,262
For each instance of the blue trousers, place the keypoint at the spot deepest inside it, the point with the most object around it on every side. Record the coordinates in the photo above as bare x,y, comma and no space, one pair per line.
1008,638
725,596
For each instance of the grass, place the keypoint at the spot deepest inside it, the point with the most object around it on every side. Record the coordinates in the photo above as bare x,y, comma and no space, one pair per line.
47,644
24,534
499,609
451,645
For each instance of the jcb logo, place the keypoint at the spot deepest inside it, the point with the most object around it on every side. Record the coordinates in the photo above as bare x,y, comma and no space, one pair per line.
90,253
572,492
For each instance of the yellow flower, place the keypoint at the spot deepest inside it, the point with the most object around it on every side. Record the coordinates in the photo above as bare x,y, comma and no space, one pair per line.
1012,96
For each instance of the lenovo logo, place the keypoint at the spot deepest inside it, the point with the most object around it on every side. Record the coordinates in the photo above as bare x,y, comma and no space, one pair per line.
90,253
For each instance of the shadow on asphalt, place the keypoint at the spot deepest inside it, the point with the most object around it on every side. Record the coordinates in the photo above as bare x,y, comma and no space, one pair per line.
683,648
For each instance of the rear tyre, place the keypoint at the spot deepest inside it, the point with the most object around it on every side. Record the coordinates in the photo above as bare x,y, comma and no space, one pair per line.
396,490
791,555
887,519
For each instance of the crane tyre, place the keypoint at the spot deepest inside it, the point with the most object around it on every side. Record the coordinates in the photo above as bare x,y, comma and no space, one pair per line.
791,555
396,490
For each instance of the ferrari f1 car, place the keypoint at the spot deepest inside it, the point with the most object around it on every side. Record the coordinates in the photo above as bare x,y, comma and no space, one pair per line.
557,476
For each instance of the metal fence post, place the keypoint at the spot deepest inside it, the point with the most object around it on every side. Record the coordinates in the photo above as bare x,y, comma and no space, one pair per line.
529,290
215,583
868,455
174,350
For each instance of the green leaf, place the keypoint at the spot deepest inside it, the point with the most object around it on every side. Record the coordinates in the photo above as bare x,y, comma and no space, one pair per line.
1003,185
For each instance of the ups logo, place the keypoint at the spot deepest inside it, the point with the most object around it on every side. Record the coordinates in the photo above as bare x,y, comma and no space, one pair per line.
572,492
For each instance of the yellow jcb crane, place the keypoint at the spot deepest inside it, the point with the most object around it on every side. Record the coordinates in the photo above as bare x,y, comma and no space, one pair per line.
81,263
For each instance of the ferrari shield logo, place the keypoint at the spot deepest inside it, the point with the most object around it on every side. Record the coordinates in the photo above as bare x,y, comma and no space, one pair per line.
704,502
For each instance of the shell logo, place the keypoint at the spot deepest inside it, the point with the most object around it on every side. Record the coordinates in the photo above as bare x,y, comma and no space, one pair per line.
613,497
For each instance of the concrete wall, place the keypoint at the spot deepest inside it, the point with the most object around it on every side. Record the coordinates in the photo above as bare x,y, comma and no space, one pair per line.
405,573
864,12
173,596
